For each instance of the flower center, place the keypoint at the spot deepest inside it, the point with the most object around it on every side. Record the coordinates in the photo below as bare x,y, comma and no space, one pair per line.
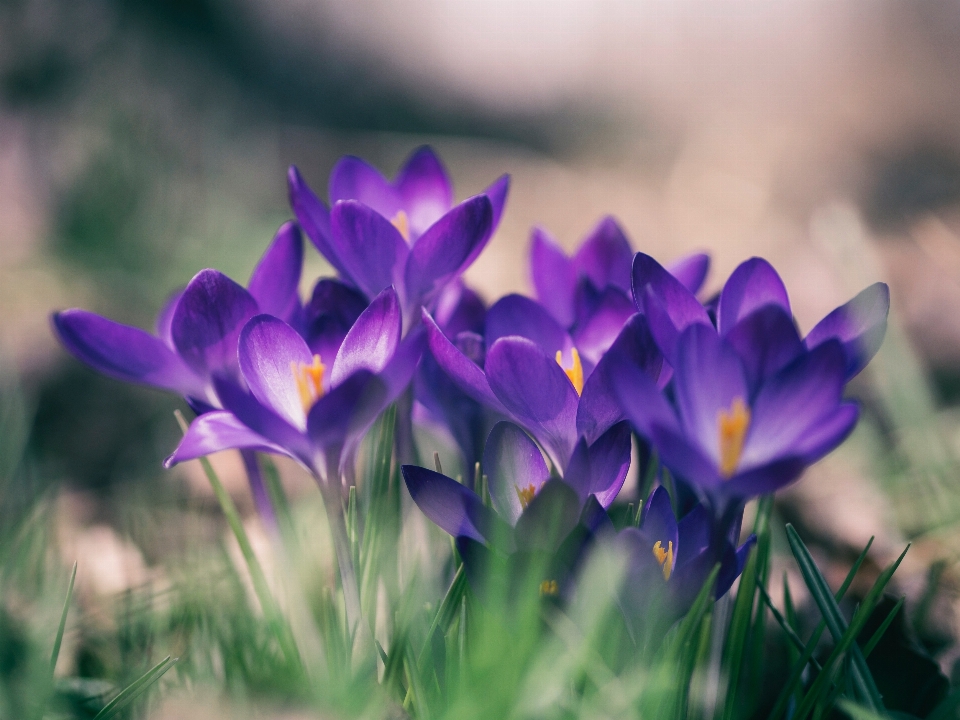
402,224
575,373
732,425
549,587
525,494
309,380
664,557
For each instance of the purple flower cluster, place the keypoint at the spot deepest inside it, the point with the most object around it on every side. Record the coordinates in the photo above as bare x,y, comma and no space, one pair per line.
544,394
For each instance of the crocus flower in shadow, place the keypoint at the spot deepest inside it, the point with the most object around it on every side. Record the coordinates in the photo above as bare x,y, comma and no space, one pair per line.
406,233
589,294
531,513
669,561
526,368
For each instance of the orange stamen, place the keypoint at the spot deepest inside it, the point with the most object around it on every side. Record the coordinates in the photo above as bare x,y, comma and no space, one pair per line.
732,425
549,587
664,557
575,373
309,380
402,224
525,494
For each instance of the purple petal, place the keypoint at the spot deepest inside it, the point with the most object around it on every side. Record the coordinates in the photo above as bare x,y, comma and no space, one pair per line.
859,324
269,349
398,372
354,179
370,248
454,508
497,192
709,377
659,523
554,276
537,393
601,468
693,534
460,309
372,340
208,320
125,353
275,280
263,420
793,403
314,218
753,284
516,315
594,334
550,516
216,431
331,312
636,392
669,306
691,271
605,256
346,410
424,190
445,249
685,457
766,341
763,479
464,372
165,318
600,403
512,462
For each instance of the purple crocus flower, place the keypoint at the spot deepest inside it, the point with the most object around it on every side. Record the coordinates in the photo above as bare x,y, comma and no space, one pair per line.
406,233
196,333
589,294
732,438
753,314
669,561
526,368
532,512
291,403
459,311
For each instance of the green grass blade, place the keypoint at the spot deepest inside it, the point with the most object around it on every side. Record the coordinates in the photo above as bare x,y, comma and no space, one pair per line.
847,642
792,684
135,689
739,628
785,626
257,576
872,642
63,622
836,624
278,498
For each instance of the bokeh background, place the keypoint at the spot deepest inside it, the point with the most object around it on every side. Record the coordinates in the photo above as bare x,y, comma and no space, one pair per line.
141,141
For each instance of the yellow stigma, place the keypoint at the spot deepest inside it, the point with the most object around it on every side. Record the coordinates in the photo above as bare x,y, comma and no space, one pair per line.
549,587
309,380
733,425
576,372
525,494
401,223
664,557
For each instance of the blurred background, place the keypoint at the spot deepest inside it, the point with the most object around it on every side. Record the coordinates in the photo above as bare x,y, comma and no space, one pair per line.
143,140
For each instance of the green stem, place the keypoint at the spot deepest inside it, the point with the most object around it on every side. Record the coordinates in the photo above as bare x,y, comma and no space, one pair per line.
341,543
